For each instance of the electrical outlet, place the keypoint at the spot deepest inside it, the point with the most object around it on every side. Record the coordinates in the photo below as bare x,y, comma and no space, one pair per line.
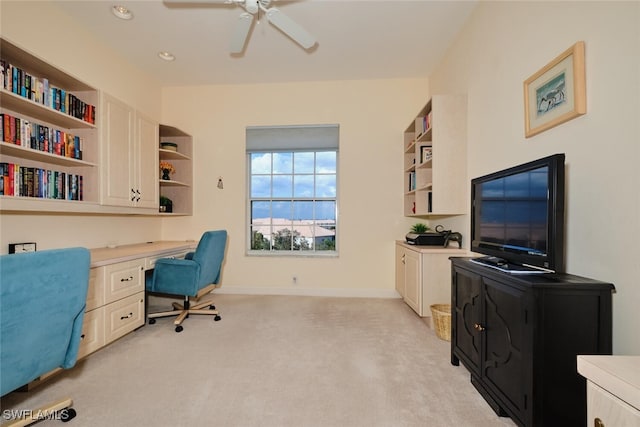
16,248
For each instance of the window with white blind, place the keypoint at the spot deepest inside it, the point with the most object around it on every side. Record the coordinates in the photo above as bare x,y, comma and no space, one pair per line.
293,197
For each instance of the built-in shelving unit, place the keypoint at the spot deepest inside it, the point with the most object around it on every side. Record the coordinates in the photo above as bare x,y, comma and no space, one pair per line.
435,158
35,163
179,187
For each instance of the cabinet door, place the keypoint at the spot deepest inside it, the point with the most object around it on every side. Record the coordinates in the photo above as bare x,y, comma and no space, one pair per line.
117,152
504,329
413,280
146,190
400,279
466,338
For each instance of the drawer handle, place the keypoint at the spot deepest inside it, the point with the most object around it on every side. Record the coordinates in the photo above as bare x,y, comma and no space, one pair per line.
128,279
478,327
597,422
82,336
126,317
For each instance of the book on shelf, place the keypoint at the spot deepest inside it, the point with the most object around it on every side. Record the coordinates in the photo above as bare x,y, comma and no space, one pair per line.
23,181
412,181
40,137
38,89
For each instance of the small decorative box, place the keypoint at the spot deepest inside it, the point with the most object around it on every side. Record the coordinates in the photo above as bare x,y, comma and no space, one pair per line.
171,146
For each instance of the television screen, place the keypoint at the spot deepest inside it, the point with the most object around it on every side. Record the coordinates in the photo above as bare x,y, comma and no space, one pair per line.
518,214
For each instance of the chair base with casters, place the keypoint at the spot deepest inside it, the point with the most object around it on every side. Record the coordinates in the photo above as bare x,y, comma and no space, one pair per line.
182,311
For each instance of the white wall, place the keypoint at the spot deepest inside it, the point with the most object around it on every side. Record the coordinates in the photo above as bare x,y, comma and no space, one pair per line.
506,42
372,116
28,24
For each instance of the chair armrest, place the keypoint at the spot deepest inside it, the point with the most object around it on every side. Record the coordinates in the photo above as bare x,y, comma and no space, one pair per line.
175,276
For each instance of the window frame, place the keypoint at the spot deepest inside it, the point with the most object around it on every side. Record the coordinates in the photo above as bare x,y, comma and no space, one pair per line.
249,225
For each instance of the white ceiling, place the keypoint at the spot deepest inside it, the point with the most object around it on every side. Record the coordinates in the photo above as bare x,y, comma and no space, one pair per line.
357,39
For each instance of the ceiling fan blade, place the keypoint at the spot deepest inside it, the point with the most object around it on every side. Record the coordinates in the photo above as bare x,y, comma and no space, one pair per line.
290,28
241,33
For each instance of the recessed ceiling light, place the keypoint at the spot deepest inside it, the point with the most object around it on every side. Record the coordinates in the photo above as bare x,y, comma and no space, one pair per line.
122,12
167,56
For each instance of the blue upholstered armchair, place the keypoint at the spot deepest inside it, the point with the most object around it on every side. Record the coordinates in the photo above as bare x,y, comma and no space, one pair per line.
192,277
42,302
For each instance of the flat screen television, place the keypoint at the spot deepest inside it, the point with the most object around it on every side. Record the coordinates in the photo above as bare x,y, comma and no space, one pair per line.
517,217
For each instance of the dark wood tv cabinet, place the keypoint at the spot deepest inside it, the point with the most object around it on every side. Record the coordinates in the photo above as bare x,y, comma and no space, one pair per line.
519,335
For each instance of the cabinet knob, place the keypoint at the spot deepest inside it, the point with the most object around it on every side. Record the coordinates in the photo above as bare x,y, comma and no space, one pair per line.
478,327
597,422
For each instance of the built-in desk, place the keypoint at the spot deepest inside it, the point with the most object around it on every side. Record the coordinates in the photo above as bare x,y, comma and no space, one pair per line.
116,297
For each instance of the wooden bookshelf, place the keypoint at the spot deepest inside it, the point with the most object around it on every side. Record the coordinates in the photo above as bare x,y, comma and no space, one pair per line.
435,184
29,107
179,187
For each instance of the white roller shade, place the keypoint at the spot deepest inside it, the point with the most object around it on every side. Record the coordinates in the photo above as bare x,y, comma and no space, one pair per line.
288,138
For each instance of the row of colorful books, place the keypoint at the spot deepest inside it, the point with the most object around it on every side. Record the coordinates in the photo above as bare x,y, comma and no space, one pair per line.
39,137
40,183
423,124
38,89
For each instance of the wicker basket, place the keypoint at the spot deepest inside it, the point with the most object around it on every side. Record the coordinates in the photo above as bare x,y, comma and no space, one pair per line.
441,320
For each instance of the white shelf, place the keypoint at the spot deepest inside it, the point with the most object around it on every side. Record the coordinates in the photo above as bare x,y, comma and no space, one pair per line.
440,181
23,108
41,156
179,187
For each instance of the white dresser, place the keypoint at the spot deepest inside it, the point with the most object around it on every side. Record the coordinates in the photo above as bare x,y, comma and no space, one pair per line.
613,390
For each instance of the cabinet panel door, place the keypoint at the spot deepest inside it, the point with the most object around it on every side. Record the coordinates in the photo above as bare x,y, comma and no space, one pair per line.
466,311
400,279
413,281
504,325
147,162
117,152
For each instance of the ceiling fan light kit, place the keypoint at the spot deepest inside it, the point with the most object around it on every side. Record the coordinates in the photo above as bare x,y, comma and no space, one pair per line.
245,22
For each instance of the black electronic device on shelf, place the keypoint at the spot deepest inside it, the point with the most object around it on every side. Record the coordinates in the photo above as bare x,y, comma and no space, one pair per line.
440,237
517,215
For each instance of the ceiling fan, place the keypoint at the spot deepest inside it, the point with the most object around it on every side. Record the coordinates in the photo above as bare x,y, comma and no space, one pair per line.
246,20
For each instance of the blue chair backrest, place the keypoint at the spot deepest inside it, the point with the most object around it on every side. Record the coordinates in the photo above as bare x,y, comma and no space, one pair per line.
42,301
210,254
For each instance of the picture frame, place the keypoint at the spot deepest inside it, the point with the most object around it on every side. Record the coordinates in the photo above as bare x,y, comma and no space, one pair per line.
426,153
557,92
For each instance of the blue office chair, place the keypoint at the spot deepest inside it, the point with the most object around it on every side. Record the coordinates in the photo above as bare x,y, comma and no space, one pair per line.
192,277
42,302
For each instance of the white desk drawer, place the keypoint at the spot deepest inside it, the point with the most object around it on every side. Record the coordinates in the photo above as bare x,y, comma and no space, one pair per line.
95,292
92,332
123,316
151,261
123,279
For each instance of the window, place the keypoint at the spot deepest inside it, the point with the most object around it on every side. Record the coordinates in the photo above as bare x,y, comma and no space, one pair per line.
292,189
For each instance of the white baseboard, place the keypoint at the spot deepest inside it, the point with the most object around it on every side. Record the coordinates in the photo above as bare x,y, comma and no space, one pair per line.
323,292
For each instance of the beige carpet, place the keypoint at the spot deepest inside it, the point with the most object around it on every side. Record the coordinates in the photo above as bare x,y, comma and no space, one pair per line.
273,361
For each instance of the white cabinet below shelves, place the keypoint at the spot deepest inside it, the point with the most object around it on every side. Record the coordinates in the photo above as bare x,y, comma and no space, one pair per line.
423,276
